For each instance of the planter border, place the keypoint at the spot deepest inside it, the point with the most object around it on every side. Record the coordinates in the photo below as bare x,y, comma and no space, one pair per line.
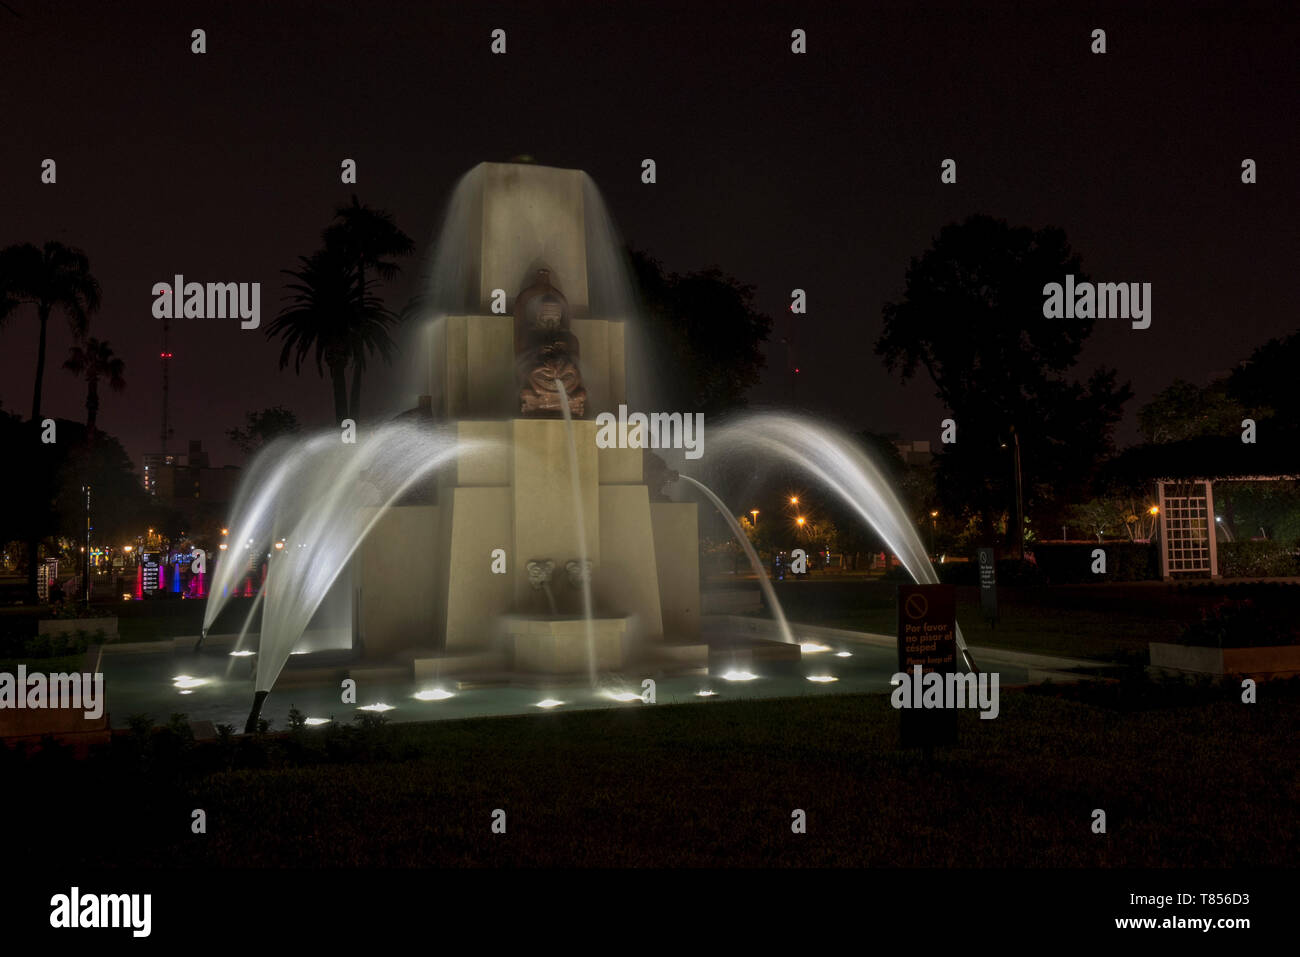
1263,661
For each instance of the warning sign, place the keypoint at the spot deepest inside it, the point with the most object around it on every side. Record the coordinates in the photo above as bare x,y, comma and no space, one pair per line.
927,637
927,628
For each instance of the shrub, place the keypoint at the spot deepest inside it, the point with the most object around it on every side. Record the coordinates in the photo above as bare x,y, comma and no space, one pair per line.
1240,624
958,573
1067,564
1010,571
1017,573
43,646
1257,559
73,609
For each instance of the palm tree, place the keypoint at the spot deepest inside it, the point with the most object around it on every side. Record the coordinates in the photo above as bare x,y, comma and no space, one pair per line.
366,238
55,277
50,278
95,360
333,319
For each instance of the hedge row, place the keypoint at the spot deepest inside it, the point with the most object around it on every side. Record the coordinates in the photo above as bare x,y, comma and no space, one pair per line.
1257,559
1065,565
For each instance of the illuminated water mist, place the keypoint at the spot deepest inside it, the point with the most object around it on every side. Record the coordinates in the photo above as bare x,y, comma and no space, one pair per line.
581,526
836,461
261,496
319,497
754,560
332,487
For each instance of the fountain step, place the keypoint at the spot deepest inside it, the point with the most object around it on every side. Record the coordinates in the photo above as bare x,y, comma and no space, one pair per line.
380,674
674,657
431,669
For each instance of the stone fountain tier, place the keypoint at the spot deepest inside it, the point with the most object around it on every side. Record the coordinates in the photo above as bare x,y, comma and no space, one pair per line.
434,578
557,644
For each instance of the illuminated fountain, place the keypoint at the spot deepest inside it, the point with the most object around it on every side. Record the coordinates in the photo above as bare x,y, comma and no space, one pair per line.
485,533
436,536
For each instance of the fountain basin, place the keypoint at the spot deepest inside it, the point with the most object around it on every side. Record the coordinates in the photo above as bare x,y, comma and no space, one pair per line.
557,645
757,655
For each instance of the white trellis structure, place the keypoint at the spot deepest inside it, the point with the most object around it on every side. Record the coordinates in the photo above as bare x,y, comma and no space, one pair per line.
1187,534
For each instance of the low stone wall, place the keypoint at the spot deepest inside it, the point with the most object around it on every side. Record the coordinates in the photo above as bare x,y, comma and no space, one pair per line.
70,626
1276,661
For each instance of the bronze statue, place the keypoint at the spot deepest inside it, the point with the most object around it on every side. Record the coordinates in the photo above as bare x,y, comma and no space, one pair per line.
546,352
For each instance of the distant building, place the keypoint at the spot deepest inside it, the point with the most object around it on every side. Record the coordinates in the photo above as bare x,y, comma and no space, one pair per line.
189,477
153,462
916,452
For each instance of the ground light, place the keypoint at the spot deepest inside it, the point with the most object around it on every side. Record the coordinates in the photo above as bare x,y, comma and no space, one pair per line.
705,693
549,703
437,694
812,647
315,722
242,654
185,681
822,678
739,676
843,654
380,707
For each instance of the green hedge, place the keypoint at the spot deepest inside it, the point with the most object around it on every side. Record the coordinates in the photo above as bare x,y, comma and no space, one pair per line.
1243,623
1010,571
1257,559
48,646
1072,564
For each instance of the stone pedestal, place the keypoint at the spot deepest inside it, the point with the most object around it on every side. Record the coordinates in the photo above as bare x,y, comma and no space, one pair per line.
558,646
428,577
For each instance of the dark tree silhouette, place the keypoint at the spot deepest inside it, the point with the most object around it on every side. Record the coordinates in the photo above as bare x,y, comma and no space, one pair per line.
972,317
332,320
1266,382
51,278
95,360
1185,411
262,427
704,334
368,238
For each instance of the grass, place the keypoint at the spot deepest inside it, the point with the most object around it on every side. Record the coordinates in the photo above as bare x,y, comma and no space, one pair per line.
1196,781
1106,622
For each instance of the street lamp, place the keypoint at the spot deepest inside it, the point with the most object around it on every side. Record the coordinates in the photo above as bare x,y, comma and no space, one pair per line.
934,516
1020,498
794,499
754,512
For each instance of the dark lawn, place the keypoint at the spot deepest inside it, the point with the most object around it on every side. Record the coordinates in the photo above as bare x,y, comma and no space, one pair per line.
1106,622
1211,784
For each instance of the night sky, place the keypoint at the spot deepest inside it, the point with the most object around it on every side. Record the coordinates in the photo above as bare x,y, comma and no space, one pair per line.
818,171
